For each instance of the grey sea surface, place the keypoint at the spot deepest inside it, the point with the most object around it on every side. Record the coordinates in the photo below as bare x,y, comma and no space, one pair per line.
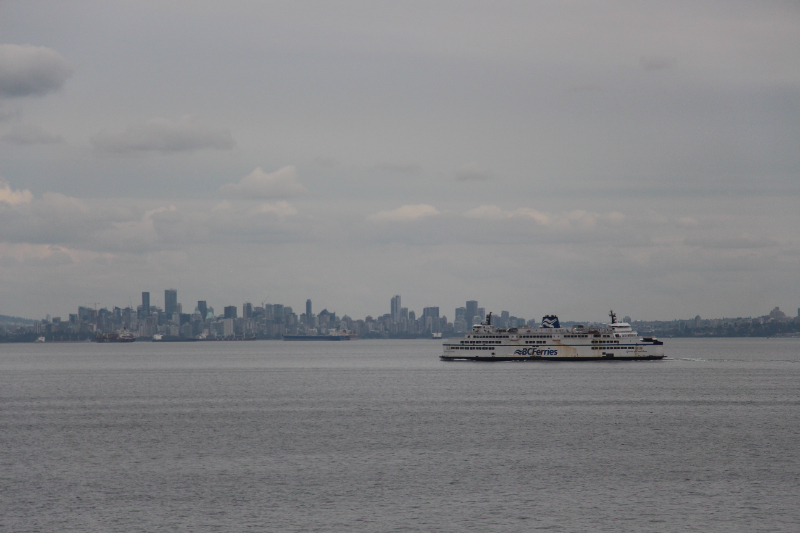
382,436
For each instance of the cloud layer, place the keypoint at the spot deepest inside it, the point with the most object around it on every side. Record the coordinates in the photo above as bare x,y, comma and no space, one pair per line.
528,153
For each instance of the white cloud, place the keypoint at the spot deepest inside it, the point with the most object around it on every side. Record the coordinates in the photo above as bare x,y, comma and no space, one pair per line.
22,134
164,136
404,213
571,219
262,185
14,197
281,209
27,70
473,172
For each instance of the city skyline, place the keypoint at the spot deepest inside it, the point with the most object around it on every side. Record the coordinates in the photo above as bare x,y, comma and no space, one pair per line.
173,307
534,156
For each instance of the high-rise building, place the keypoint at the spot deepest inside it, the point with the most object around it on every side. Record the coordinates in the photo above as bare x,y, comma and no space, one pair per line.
308,309
170,301
145,305
202,307
247,310
432,312
472,312
230,311
395,309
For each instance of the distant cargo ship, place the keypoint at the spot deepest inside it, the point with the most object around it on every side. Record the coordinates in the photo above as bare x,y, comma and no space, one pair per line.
121,336
332,336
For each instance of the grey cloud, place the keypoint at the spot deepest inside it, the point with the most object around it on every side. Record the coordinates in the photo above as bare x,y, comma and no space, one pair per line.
22,134
656,62
56,219
398,168
164,136
473,172
327,162
742,242
8,115
27,70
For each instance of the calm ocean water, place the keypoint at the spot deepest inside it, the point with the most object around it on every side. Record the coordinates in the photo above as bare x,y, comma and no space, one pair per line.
382,436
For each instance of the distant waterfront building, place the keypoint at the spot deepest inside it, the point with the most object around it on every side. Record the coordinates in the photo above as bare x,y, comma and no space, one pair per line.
395,307
247,310
777,314
230,311
170,301
309,314
202,308
145,305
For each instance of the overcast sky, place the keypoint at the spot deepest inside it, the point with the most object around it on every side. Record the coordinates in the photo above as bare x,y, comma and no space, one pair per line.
539,157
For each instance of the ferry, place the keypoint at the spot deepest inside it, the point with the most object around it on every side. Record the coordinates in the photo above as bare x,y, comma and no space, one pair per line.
615,341
122,336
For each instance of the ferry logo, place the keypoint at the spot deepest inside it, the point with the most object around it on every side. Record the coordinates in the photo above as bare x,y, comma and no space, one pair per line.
547,352
550,321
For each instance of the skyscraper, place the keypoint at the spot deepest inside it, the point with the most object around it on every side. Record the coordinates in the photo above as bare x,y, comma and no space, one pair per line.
230,311
308,309
203,308
247,310
472,312
170,302
395,310
432,312
145,305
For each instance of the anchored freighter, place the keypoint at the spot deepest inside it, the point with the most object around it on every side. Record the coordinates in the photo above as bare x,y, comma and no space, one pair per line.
615,341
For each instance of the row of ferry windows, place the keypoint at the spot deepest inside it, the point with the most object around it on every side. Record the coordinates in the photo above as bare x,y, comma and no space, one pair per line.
607,347
493,347
521,336
532,336
472,347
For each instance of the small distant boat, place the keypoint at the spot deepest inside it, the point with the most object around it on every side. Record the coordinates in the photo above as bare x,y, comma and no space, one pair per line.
121,336
39,339
172,338
334,335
